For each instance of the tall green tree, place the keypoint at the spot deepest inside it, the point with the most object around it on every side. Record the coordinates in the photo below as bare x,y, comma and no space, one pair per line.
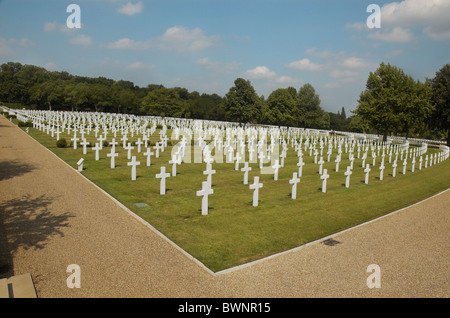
393,102
440,118
310,114
164,102
281,108
242,104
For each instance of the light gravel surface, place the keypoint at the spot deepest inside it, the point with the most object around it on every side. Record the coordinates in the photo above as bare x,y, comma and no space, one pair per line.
51,216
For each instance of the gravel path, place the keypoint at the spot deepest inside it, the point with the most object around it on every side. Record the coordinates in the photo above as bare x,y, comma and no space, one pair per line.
51,217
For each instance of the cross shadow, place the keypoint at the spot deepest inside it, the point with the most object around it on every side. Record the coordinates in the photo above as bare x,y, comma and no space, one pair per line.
27,223
11,169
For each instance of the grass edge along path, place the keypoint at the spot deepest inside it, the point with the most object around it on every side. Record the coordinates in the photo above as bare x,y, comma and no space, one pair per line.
235,233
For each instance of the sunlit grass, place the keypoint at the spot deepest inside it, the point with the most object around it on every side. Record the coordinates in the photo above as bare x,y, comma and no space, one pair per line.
235,232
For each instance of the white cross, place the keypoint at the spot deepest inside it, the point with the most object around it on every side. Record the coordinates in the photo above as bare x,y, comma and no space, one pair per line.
97,149
133,165
347,174
382,167
366,171
246,169
404,166
237,158
276,167
139,144
205,191
321,162
124,139
113,143
230,154
338,160
413,163
157,147
74,139
175,160
261,159
162,175
300,165
420,163
129,147
251,150
324,177
394,168
148,153
100,141
112,154
255,187
209,172
294,182
84,143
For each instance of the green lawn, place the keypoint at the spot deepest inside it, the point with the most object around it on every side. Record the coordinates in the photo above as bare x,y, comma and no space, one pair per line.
235,232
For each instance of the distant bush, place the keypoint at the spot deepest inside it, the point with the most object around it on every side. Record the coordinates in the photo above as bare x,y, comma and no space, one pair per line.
28,123
61,143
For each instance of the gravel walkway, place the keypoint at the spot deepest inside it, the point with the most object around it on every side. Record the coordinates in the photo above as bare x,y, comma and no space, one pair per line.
51,217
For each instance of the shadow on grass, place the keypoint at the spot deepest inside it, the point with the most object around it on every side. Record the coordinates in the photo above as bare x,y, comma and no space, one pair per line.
27,223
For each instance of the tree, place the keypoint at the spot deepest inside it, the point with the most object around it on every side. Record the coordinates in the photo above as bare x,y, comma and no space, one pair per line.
241,103
47,94
440,117
281,108
393,102
310,114
163,102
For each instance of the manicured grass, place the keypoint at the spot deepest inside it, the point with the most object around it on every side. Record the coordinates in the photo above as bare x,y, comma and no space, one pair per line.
235,232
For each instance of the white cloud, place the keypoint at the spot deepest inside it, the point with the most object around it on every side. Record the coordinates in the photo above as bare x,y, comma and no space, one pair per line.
358,26
139,66
437,34
217,66
313,52
343,74
305,65
408,13
128,44
260,72
50,26
333,85
51,66
82,40
8,46
395,35
288,81
5,49
179,38
354,63
393,53
57,27
131,9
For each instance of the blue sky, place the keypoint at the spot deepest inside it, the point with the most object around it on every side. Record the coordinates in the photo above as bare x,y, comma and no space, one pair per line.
204,45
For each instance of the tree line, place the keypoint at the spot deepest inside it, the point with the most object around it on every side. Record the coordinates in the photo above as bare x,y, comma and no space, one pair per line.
37,88
393,103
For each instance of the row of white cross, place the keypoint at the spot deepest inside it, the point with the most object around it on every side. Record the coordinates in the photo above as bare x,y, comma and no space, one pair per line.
275,136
